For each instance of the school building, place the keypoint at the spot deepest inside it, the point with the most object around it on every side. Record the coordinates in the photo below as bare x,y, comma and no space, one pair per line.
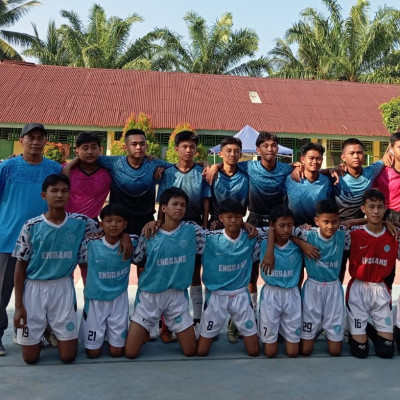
69,100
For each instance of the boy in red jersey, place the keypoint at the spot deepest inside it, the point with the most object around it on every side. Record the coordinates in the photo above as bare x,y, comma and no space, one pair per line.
373,252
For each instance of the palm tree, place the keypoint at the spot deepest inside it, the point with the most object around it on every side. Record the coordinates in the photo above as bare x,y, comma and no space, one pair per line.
102,44
10,12
212,50
354,49
51,51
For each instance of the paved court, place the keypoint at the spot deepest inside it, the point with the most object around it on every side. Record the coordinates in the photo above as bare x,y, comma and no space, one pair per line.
162,372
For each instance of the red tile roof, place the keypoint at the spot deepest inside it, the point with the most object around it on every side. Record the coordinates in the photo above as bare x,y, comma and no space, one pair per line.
105,98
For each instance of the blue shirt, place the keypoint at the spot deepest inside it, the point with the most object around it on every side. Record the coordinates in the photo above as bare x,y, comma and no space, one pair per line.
266,188
227,262
348,192
192,183
327,268
20,200
288,262
134,188
170,258
108,273
53,250
304,195
234,187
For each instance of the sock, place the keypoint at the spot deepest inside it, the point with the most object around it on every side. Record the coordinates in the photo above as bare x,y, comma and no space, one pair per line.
196,295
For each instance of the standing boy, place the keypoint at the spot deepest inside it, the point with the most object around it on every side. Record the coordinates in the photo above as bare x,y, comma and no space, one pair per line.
106,293
187,176
351,186
304,195
322,292
47,250
162,287
21,180
132,183
230,182
373,252
227,259
90,183
280,303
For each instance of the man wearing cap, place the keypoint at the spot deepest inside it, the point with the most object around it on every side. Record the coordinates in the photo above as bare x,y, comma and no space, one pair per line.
21,180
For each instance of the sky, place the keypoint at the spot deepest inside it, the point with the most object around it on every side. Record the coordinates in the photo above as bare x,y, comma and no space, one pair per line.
268,18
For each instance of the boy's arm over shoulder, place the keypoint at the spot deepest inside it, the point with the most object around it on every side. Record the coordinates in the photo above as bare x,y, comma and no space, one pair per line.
140,250
200,236
23,247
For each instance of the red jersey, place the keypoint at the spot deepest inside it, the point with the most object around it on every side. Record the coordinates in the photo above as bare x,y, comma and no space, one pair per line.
372,256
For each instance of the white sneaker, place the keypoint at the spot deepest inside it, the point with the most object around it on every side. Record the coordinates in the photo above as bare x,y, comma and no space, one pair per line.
15,340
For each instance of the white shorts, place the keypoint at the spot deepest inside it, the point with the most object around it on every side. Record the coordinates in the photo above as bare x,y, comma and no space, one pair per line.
397,315
237,303
366,299
105,317
280,312
52,302
173,304
323,307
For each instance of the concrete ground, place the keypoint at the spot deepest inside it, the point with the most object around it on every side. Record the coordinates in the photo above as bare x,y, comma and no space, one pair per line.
162,372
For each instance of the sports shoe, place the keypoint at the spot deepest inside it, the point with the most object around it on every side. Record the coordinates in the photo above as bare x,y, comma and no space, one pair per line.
232,332
15,340
2,350
50,337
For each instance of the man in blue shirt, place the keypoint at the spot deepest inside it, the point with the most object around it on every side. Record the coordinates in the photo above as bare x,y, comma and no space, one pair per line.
21,180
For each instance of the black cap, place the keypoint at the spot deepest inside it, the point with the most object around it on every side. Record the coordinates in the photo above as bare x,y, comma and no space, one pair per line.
30,127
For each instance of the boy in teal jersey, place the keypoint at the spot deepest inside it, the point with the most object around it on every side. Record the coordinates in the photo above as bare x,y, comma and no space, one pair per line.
322,292
227,260
162,287
280,303
106,292
47,251
187,175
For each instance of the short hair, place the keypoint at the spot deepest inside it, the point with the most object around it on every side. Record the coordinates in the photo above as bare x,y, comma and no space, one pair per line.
372,194
264,136
230,206
312,146
87,137
114,209
326,206
134,131
394,138
351,141
230,140
53,179
280,211
173,191
184,136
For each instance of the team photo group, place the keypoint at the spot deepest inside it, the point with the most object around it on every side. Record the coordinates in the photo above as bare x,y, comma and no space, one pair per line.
219,228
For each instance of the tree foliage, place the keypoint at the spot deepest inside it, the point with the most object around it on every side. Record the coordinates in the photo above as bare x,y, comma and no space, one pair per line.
143,122
10,12
391,114
355,48
215,49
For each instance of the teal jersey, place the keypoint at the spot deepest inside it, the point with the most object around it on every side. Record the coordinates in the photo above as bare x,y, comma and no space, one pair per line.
227,262
266,188
192,183
288,262
349,190
169,257
327,268
53,250
108,273
304,195
234,187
